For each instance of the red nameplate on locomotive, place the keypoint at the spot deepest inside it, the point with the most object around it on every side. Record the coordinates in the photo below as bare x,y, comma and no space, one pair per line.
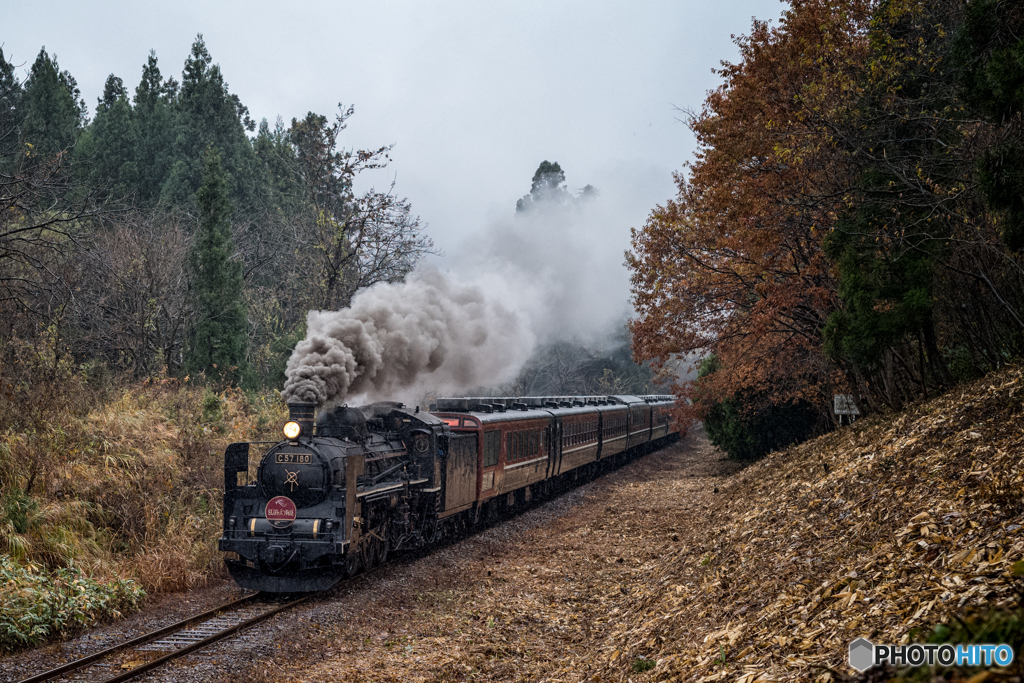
281,511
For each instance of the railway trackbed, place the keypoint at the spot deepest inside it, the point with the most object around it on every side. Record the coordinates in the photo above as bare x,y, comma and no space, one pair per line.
151,650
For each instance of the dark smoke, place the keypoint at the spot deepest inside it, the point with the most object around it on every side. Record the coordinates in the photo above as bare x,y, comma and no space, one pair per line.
396,338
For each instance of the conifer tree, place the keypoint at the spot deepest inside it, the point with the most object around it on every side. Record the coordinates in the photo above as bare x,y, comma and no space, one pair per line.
53,108
111,142
153,120
10,94
219,342
206,113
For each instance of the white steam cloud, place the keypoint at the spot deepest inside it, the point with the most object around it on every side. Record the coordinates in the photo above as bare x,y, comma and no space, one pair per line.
396,337
551,274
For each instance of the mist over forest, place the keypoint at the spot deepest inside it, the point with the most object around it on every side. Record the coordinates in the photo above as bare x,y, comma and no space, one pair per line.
164,232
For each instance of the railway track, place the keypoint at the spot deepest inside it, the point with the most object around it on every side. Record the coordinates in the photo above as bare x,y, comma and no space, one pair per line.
151,650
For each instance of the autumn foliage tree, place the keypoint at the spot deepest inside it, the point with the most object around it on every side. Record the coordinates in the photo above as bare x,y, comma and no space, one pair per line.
734,266
849,222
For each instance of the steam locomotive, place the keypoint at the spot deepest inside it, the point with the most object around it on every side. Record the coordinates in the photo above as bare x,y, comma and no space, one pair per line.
341,492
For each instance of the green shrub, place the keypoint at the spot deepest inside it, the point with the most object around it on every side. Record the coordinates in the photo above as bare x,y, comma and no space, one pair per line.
213,407
983,625
748,426
15,508
35,604
642,664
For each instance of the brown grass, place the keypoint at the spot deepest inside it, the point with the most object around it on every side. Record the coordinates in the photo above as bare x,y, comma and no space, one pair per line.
124,479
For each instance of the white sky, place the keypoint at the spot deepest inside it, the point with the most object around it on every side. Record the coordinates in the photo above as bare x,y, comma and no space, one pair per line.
474,94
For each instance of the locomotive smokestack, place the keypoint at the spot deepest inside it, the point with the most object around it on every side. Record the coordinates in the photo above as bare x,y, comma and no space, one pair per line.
303,413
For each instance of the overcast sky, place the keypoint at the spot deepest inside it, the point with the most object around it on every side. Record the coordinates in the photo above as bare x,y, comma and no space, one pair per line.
473,94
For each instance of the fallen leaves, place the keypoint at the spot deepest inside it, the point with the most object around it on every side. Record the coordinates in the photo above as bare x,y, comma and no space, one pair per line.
913,520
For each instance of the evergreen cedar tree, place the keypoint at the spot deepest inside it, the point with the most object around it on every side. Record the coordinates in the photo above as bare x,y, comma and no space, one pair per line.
129,181
51,106
547,190
219,343
850,221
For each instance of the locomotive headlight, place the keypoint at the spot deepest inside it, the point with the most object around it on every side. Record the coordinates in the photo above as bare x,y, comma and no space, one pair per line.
292,430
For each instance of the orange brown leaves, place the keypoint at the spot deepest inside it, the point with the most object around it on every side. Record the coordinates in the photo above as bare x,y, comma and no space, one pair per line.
733,266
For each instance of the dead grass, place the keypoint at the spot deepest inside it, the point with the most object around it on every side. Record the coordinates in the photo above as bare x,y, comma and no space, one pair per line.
124,480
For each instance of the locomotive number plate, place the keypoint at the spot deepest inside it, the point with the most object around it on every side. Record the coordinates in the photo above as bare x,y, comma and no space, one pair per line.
293,458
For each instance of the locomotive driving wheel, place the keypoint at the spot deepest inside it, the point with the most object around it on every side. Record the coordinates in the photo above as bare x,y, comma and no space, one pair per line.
379,551
353,561
375,550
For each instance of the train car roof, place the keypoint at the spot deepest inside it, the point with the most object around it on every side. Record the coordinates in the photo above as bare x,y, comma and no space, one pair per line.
490,418
530,414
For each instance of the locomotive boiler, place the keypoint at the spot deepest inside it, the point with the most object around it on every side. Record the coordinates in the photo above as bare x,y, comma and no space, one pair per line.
340,493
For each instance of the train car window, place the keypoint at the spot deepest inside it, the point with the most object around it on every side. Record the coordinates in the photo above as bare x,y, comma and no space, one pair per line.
518,451
492,446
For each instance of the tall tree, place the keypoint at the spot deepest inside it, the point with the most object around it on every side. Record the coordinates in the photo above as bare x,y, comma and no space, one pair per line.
52,106
43,206
547,188
733,266
10,96
219,342
205,114
989,59
111,142
153,119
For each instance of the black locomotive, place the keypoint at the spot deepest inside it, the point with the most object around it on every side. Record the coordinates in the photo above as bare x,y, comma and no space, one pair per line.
330,501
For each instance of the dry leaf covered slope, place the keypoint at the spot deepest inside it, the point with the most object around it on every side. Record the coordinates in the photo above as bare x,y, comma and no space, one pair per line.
871,531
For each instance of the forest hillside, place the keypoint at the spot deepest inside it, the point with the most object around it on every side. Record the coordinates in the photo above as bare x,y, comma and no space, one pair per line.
883,529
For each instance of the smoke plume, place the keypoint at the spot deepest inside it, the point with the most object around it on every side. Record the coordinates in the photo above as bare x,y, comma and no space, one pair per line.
549,273
395,337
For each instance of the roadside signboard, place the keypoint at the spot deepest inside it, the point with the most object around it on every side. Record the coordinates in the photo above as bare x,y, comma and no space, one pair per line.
844,404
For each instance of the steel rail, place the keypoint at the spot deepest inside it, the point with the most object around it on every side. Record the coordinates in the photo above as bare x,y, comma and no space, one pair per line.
203,643
140,640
